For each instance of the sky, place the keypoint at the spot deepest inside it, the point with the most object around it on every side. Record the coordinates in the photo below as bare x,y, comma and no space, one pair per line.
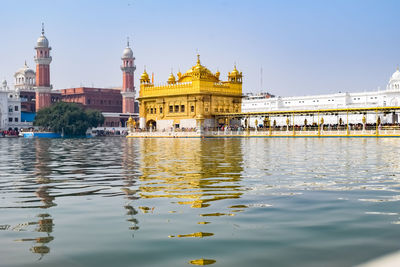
285,47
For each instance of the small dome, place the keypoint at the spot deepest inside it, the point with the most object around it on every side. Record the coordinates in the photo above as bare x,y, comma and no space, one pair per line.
235,71
171,78
144,76
4,83
127,53
395,75
25,69
42,42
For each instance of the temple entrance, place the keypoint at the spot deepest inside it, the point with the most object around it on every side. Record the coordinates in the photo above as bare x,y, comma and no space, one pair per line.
151,124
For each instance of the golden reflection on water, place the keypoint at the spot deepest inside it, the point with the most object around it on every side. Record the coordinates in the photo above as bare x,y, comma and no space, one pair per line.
191,170
202,262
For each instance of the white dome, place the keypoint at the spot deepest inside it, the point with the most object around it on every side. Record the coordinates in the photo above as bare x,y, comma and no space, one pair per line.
127,53
25,69
394,82
4,83
396,75
42,42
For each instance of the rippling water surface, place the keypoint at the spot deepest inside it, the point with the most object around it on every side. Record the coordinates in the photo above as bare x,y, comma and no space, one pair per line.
183,202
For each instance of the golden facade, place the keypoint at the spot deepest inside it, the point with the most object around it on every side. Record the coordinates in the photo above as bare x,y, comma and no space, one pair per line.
191,100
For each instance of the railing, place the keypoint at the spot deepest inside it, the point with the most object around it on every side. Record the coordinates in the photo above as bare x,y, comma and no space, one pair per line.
311,132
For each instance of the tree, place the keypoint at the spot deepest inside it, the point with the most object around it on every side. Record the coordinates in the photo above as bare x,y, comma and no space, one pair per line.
69,118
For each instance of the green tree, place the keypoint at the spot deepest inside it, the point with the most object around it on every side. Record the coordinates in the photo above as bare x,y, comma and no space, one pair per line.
68,117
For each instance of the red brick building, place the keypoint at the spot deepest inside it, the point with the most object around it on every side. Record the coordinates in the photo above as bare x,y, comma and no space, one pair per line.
28,100
102,99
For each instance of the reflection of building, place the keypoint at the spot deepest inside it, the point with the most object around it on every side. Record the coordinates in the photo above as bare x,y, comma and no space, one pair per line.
195,97
130,172
384,98
44,225
194,170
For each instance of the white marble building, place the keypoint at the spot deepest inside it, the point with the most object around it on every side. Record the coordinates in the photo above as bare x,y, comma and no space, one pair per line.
25,79
10,108
380,98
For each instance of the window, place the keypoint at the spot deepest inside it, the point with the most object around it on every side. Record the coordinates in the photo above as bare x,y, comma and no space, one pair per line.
151,111
182,108
192,109
10,109
160,110
216,110
206,109
88,101
9,119
16,119
16,108
227,110
221,110
176,108
101,101
171,109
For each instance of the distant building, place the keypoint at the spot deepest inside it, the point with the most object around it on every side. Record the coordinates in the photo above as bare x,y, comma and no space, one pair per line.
102,99
192,100
10,108
380,98
36,91
24,83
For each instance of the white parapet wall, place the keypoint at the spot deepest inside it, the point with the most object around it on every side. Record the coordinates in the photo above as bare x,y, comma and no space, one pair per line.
164,125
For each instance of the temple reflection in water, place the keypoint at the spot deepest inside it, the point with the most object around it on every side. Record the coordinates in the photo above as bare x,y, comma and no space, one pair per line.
44,224
192,170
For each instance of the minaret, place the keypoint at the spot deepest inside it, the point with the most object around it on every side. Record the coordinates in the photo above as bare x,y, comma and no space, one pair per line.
42,59
128,88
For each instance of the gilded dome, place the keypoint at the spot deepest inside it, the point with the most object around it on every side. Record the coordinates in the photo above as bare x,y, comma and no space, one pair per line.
171,78
198,71
144,76
235,71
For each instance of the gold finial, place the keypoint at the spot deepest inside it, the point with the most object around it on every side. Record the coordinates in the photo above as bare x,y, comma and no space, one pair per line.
198,58
42,28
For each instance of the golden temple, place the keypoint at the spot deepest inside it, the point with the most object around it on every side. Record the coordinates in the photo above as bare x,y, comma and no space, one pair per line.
190,101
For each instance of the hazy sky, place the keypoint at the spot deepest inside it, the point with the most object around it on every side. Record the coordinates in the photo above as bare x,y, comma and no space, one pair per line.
303,47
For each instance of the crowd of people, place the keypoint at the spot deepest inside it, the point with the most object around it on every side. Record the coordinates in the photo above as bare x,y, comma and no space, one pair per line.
9,133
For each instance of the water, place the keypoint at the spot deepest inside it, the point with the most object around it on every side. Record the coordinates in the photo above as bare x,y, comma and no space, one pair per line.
178,202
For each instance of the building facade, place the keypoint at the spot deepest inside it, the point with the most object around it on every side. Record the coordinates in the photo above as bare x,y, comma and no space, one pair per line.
10,108
128,86
43,60
102,99
190,101
380,98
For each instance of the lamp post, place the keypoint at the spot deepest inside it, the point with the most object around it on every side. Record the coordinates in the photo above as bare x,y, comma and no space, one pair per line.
287,124
364,121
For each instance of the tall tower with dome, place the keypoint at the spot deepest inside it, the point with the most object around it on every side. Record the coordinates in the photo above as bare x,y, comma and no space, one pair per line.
128,88
43,60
